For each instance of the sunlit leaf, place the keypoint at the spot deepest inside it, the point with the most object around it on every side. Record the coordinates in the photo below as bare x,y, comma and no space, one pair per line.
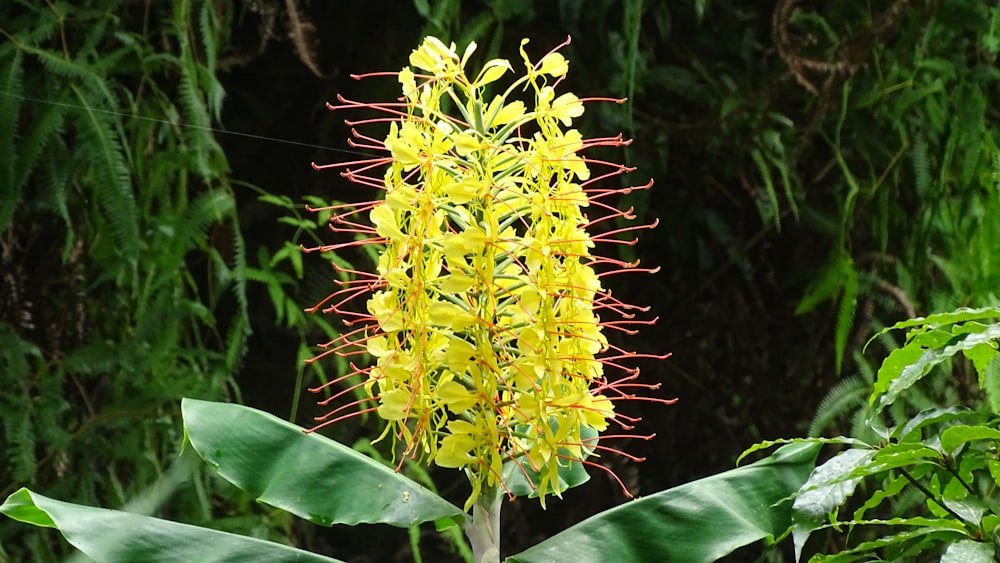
308,475
700,521
110,535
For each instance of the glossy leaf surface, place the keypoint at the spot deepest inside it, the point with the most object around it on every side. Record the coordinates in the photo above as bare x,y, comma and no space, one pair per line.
110,535
699,521
308,475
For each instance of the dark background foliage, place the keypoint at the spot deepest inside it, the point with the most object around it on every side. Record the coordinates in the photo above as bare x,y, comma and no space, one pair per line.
818,174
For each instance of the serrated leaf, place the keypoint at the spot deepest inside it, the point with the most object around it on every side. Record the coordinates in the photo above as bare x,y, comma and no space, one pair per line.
110,535
308,475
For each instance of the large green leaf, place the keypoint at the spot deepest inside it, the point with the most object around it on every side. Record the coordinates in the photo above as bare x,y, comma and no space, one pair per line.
110,535
907,365
306,474
699,521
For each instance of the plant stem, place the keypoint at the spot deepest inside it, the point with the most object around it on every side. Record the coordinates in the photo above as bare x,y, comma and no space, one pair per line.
484,529
929,494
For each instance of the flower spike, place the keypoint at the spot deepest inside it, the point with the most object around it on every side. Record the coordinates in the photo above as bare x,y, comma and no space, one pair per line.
483,313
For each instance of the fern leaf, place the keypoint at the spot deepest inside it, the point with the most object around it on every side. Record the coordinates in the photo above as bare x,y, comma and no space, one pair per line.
239,268
48,124
828,283
236,342
59,66
10,110
212,206
845,314
841,399
768,205
207,24
20,438
921,165
55,178
970,122
113,180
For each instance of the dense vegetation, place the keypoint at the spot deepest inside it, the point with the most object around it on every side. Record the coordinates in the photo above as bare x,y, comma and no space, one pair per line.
822,170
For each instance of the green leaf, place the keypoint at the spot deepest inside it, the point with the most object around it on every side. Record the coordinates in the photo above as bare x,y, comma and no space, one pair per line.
990,382
828,283
308,475
958,315
968,551
955,436
894,382
931,530
928,417
841,440
699,521
897,455
827,488
110,535
970,510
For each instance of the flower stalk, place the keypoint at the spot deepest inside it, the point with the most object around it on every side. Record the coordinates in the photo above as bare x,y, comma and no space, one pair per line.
483,530
485,314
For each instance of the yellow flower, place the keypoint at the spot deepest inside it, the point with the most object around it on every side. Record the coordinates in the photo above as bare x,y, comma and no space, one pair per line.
484,314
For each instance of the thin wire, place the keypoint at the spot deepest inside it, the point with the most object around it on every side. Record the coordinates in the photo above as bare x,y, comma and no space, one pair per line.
190,125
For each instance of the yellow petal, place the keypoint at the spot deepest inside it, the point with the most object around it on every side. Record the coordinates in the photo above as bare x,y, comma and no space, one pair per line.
378,346
455,283
393,404
459,354
510,112
456,396
465,143
492,71
554,64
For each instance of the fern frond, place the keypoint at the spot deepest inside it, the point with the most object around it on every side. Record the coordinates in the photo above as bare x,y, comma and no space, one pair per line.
236,342
921,165
239,268
55,179
208,25
113,179
768,205
845,314
20,439
201,141
971,122
48,124
211,207
828,283
10,110
59,66
845,396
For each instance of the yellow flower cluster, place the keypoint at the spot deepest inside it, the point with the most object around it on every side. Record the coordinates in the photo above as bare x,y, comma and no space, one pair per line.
481,318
